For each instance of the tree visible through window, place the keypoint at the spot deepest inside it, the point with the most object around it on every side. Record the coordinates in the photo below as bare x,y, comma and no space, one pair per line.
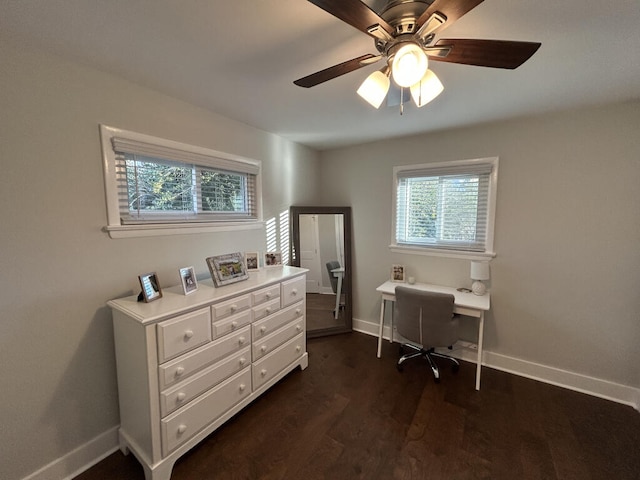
157,186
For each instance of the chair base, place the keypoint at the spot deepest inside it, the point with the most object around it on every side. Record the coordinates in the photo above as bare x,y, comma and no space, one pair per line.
428,355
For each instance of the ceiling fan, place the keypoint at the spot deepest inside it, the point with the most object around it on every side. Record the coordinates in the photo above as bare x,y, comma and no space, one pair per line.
404,34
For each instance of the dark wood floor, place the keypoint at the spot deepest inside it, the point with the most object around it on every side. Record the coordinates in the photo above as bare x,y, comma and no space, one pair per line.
350,415
320,312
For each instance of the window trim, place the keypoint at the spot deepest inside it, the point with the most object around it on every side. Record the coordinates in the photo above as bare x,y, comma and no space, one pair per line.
114,226
443,252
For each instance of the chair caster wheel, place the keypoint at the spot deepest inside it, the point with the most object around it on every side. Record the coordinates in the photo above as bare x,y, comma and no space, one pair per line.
399,367
455,368
436,380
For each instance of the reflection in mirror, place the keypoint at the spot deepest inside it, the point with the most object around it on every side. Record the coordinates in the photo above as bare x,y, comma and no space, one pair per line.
321,243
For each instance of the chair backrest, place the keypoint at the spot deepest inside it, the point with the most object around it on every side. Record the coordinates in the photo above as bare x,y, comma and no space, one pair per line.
333,264
425,317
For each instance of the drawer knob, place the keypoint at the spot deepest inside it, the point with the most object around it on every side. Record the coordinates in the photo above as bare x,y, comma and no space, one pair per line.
298,327
188,334
243,361
233,307
242,387
298,348
298,311
181,396
263,372
294,291
179,371
268,309
268,295
263,329
181,429
263,348
234,325
241,340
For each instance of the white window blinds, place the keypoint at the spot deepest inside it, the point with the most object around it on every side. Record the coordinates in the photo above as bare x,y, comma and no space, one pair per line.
445,206
163,184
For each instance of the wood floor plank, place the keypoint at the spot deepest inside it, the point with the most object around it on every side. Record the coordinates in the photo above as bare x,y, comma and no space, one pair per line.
352,416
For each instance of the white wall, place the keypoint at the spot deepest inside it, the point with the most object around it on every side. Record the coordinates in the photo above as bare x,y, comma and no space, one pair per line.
57,270
566,279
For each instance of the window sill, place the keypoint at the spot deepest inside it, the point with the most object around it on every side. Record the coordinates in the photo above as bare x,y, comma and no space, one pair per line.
437,252
131,231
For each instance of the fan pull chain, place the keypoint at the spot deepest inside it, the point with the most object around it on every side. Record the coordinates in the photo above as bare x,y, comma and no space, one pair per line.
401,101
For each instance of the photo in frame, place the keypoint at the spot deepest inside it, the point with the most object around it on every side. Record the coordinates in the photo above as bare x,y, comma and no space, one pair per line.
227,269
397,273
252,260
273,259
150,287
189,281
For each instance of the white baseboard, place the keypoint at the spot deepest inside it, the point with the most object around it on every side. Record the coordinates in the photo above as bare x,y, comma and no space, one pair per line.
79,459
543,373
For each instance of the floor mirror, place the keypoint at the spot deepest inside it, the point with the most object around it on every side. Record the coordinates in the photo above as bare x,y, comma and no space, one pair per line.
321,243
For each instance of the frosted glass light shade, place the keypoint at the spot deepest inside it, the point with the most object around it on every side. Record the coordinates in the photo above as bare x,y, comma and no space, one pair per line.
375,88
428,88
409,65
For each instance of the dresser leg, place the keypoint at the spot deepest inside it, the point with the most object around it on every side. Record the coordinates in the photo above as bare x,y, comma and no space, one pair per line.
159,472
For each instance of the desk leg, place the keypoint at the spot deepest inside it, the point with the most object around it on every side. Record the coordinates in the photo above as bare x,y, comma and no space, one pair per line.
380,328
338,295
479,359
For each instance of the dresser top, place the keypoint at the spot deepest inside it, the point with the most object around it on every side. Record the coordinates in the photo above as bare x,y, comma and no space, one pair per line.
174,301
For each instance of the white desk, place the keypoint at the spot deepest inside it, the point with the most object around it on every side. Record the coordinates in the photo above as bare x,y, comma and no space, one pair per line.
466,304
339,274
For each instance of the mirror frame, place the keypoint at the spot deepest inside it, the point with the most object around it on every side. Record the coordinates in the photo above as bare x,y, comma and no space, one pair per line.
294,215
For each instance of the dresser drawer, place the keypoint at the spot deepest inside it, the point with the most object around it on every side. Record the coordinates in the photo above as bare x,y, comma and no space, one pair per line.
183,333
293,291
181,368
269,325
265,294
266,368
181,425
266,309
230,324
178,396
268,344
230,307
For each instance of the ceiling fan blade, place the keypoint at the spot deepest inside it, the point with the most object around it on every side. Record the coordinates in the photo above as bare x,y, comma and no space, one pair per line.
356,14
451,9
486,53
337,70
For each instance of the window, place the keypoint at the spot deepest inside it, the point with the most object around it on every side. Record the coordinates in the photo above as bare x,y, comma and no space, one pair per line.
156,186
445,208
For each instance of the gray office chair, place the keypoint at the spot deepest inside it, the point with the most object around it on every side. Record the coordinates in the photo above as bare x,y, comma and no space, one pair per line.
426,319
333,264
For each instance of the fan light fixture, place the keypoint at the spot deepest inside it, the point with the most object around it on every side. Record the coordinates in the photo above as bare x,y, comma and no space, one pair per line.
409,69
409,65
428,88
375,87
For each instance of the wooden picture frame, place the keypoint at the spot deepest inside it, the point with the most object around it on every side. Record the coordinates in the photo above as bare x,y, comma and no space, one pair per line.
227,269
252,260
189,280
150,287
398,273
273,259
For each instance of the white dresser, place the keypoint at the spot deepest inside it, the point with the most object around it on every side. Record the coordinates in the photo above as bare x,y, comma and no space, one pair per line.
186,364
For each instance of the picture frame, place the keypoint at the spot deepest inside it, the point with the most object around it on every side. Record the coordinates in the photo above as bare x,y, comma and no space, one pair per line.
150,287
398,273
273,259
189,280
227,269
252,260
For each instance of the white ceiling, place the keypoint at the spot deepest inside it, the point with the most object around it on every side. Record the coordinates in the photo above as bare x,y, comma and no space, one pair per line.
239,58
